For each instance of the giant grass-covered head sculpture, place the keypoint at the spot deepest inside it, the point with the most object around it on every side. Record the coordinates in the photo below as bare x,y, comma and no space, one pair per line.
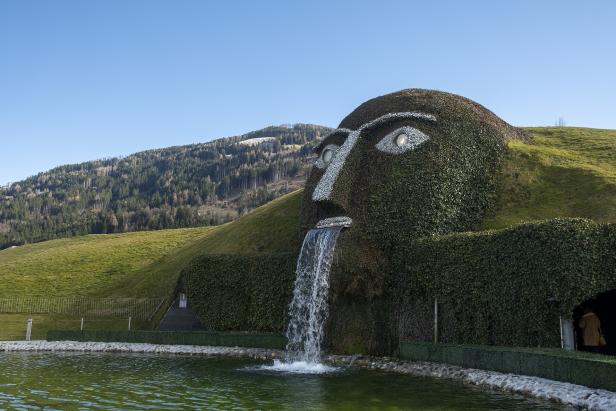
399,167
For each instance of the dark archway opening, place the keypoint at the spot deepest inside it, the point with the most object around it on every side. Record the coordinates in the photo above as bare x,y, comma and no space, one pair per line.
604,307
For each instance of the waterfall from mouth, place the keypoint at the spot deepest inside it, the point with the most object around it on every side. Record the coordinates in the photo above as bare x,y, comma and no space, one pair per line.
309,309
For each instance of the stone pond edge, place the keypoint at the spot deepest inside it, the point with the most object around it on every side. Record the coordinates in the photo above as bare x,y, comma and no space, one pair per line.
572,394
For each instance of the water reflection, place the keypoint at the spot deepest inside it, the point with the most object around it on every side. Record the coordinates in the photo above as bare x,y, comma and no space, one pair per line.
133,381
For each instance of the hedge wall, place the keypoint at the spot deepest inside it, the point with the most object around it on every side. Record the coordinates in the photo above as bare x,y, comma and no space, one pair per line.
591,370
507,287
241,293
252,340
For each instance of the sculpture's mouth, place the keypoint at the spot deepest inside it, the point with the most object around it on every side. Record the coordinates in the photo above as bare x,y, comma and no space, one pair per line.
344,222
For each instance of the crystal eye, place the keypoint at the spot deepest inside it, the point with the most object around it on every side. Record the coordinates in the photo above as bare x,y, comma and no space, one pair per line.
327,155
400,141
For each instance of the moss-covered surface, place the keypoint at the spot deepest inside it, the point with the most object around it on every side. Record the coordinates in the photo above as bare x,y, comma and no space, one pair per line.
507,287
444,185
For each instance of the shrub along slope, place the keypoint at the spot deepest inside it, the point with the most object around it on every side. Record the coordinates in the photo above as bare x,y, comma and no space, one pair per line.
509,286
506,287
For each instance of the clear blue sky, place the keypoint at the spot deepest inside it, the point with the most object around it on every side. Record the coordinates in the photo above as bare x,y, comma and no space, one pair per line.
81,80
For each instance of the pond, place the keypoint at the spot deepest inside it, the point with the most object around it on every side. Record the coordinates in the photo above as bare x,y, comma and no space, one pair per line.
115,381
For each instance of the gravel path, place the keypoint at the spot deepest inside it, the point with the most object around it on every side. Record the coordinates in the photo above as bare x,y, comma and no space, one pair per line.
577,395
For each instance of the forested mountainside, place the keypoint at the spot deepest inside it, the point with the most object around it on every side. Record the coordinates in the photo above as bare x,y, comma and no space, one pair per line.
183,186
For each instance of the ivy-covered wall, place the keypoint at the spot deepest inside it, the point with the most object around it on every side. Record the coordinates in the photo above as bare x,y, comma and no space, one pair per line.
241,293
506,287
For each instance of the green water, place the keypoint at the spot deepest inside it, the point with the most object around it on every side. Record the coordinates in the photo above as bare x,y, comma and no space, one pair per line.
136,381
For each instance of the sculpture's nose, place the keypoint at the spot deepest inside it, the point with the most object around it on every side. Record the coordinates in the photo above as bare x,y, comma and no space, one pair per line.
334,187
337,200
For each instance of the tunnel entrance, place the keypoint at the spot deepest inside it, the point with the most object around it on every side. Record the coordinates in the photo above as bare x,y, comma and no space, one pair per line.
599,311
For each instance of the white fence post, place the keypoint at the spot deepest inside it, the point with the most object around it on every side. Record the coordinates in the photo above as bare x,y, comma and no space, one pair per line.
81,328
129,318
567,334
29,330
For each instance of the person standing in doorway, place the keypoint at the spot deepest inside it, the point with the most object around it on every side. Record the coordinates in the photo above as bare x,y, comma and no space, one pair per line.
591,331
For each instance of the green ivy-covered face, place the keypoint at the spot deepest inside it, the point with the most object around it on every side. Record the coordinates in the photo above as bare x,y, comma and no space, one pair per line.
400,167
406,165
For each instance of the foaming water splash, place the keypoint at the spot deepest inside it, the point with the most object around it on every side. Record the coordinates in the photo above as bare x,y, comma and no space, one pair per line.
297,367
308,310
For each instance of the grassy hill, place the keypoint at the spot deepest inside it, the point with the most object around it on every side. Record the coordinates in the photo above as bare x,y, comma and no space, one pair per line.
142,264
271,228
88,265
566,172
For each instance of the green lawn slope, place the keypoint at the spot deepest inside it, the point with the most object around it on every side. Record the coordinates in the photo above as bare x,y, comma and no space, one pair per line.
89,265
142,264
566,172
271,228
